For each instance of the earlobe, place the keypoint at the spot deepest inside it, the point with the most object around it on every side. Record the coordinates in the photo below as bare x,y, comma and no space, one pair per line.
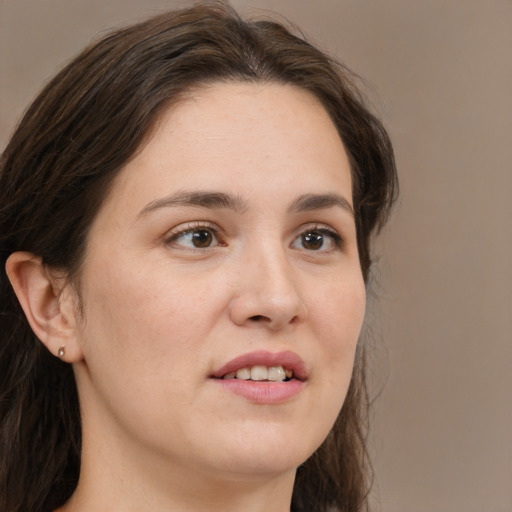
47,303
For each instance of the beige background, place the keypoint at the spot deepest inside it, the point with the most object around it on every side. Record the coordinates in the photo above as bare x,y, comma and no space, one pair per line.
443,85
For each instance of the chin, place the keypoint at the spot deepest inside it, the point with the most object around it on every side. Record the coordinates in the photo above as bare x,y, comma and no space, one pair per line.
268,450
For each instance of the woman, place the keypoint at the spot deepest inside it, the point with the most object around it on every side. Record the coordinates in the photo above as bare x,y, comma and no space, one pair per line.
185,225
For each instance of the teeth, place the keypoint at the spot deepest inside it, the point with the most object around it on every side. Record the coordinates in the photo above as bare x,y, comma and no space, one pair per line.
260,372
243,373
276,373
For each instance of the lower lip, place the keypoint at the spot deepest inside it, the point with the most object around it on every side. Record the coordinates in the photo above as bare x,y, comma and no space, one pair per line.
263,392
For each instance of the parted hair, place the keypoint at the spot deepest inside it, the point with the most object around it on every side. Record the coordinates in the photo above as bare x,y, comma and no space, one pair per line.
57,169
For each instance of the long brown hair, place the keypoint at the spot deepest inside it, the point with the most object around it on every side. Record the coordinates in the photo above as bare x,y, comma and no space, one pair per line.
56,171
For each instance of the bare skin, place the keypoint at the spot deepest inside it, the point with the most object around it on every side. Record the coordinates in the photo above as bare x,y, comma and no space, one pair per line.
230,233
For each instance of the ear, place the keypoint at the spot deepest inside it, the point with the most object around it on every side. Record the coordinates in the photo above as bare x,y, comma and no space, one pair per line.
49,303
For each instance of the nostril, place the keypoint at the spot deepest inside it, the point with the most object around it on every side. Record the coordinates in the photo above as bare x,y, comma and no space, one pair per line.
258,318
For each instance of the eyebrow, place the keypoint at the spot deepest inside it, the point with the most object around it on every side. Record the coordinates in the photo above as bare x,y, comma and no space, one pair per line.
310,202
212,200
204,199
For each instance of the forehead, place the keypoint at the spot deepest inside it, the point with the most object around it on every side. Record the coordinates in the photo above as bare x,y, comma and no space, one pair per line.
246,137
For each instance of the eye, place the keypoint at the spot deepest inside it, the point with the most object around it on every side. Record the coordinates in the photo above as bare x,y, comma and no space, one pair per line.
196,236
318,239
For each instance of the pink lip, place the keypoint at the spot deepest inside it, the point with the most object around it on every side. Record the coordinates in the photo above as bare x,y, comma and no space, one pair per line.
264,392
287,359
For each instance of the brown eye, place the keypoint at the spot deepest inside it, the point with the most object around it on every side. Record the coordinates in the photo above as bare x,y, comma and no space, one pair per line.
312,240
202,238
320,239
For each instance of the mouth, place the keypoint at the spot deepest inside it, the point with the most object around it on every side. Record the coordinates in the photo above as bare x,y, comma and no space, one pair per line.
264,366
261,373
263,378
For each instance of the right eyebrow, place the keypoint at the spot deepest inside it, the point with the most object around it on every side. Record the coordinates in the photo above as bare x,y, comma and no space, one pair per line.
202,199
311,202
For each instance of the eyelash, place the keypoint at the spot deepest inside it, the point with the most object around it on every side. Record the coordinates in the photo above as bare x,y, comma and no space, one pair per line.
195,227
324,230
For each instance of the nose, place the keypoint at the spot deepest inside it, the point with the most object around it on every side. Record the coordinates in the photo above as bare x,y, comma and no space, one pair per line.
267,294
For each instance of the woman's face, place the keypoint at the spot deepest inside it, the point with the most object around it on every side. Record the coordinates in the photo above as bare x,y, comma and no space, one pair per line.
225,250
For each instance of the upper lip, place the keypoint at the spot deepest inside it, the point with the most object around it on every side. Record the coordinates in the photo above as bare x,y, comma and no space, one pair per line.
287,359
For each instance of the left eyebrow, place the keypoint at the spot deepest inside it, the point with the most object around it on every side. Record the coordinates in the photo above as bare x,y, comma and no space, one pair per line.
310,202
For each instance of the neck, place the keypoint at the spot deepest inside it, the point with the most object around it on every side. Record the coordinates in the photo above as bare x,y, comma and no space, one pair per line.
127,481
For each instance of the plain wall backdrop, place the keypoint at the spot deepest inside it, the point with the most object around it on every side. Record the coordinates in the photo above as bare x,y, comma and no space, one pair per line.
441,80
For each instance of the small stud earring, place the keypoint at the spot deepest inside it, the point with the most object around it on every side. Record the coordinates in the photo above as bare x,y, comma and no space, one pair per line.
62,351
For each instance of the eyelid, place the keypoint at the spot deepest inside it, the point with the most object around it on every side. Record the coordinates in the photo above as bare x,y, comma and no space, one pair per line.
183,229
325,229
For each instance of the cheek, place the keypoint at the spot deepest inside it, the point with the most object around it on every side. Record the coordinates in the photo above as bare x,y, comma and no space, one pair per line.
143,333
149,313
339,313
338,316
